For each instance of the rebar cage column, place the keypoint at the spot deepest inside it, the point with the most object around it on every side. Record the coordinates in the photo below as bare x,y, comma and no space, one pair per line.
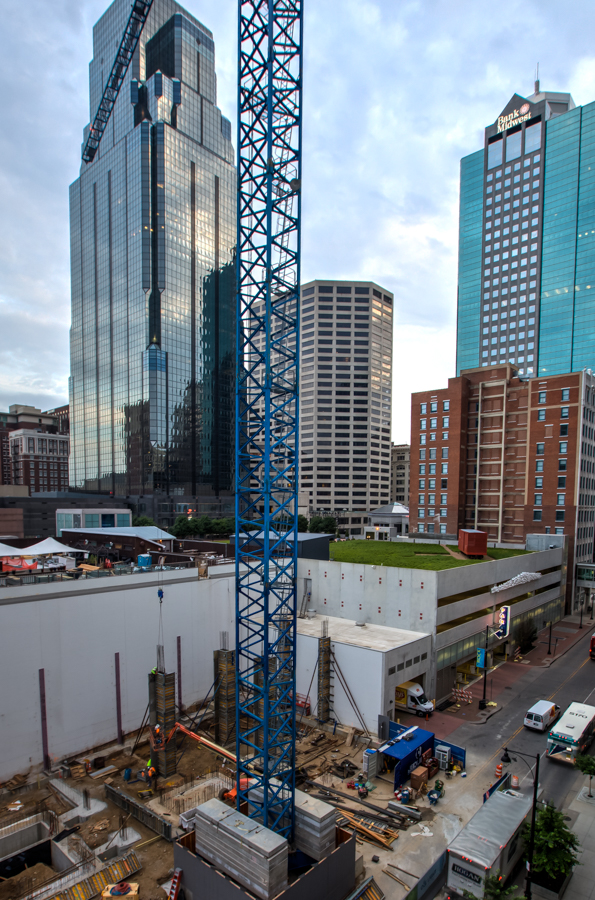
269,182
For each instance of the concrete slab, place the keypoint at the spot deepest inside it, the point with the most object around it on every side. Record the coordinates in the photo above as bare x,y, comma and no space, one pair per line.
75,796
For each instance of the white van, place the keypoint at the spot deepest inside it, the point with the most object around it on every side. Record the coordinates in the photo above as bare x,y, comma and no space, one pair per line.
542,715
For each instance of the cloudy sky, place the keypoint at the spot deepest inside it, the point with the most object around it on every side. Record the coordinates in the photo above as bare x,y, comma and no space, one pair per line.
396,92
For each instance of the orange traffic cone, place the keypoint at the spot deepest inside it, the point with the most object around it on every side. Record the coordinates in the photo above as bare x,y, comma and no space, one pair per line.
498,772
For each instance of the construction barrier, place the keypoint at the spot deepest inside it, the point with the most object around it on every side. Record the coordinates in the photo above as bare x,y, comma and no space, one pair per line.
462,695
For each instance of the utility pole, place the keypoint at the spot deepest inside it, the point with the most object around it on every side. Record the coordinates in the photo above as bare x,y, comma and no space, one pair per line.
549,646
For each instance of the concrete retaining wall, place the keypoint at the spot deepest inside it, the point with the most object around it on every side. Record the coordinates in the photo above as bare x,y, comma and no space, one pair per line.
73,631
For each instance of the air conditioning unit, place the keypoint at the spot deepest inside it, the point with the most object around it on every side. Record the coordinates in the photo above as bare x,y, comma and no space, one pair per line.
442,754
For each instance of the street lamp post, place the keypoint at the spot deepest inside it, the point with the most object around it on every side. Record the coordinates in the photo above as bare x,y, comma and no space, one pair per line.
549,646
506,759
582,601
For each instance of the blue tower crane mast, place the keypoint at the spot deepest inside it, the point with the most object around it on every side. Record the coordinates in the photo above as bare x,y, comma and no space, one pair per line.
268,280
132,32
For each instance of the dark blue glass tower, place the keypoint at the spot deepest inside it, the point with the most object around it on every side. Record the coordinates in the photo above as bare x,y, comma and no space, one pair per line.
526,286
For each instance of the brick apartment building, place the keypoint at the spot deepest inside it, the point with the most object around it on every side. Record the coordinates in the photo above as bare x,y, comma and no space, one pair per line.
511,456
25,419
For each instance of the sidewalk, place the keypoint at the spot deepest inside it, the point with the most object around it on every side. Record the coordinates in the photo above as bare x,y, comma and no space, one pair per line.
568,634
582,883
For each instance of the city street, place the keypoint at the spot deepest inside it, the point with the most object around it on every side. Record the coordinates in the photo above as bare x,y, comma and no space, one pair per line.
570,678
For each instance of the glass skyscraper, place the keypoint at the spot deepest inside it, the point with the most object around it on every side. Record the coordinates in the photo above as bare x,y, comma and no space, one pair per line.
526,285
153,238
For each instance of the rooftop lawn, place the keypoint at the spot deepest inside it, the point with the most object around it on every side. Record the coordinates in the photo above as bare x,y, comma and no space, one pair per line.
406,555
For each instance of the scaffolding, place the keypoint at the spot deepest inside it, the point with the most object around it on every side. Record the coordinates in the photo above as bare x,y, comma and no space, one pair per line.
162,712
324,675
225,696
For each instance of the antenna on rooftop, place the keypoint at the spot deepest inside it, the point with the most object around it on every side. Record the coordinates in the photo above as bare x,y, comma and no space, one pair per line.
537,78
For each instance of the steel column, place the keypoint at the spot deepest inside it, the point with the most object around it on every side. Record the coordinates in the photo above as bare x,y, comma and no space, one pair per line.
118,699
47,763
269,182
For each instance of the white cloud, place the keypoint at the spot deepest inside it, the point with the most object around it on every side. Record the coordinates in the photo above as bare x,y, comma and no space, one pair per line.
395,93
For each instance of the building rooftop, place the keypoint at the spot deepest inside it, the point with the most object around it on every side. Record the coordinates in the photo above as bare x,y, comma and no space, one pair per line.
393,509
146,532
373,637
407,554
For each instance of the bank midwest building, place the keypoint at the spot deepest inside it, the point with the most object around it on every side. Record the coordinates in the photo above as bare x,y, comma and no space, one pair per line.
526,282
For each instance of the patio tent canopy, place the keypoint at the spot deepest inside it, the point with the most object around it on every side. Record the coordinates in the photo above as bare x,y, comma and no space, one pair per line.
49,547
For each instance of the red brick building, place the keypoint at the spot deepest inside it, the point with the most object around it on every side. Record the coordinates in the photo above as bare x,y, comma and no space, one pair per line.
27,461
511,456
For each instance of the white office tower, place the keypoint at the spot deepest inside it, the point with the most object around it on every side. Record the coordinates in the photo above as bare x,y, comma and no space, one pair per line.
345,399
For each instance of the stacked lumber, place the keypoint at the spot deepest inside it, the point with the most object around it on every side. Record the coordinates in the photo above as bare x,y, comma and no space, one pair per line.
369,830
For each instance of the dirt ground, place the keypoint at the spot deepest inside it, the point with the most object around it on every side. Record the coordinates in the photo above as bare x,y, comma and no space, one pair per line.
27,880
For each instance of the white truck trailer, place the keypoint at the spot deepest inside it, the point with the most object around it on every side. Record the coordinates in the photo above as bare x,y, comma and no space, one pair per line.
492,841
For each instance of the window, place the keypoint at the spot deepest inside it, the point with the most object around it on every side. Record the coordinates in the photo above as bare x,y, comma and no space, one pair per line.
446,405
432,468
540,449
541,415
533,137
445,421
558,531
433,453
433,423
564,412
392,670
562,465
423,408
421,513
445,453
563,446
539,481
422,424
539,465
91,520
434,406
443,529
422,485
443,499
564,430
561,481
444,468
560,500
565,395
421,499
559,515
422,469
538,500
537,515
123,520
495,153
444,483
422,438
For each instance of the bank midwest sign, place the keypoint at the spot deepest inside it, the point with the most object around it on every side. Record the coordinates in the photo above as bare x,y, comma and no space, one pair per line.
514,118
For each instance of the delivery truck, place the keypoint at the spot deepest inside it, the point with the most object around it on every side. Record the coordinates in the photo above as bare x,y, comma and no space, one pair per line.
410,696
492,841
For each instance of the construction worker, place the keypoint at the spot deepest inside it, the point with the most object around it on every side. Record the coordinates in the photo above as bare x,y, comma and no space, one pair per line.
158,735
151,774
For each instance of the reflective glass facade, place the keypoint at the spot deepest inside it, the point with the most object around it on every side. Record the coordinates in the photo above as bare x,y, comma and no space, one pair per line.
526,261
153,278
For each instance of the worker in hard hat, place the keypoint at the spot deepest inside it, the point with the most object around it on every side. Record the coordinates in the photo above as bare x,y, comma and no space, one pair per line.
151,774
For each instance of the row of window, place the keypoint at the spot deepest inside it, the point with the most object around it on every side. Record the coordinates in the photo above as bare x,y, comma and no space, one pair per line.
432,468
432,499
434,423
560,514
542,396
540,447
422,439
434,407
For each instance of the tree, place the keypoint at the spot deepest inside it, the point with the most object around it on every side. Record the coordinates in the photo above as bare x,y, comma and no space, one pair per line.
328,525
586,765
554,851
302,524
142,521
493,889
525,635
181,527
315,525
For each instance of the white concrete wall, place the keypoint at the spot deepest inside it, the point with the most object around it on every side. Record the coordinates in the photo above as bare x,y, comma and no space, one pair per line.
73,631
382,595
363,671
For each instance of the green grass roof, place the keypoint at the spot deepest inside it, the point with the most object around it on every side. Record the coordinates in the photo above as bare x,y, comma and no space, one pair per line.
408,555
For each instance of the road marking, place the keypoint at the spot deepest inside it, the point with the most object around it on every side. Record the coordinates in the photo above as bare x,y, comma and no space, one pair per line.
521,728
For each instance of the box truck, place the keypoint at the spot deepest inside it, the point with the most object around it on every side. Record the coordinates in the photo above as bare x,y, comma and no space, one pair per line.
410,696
492,841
